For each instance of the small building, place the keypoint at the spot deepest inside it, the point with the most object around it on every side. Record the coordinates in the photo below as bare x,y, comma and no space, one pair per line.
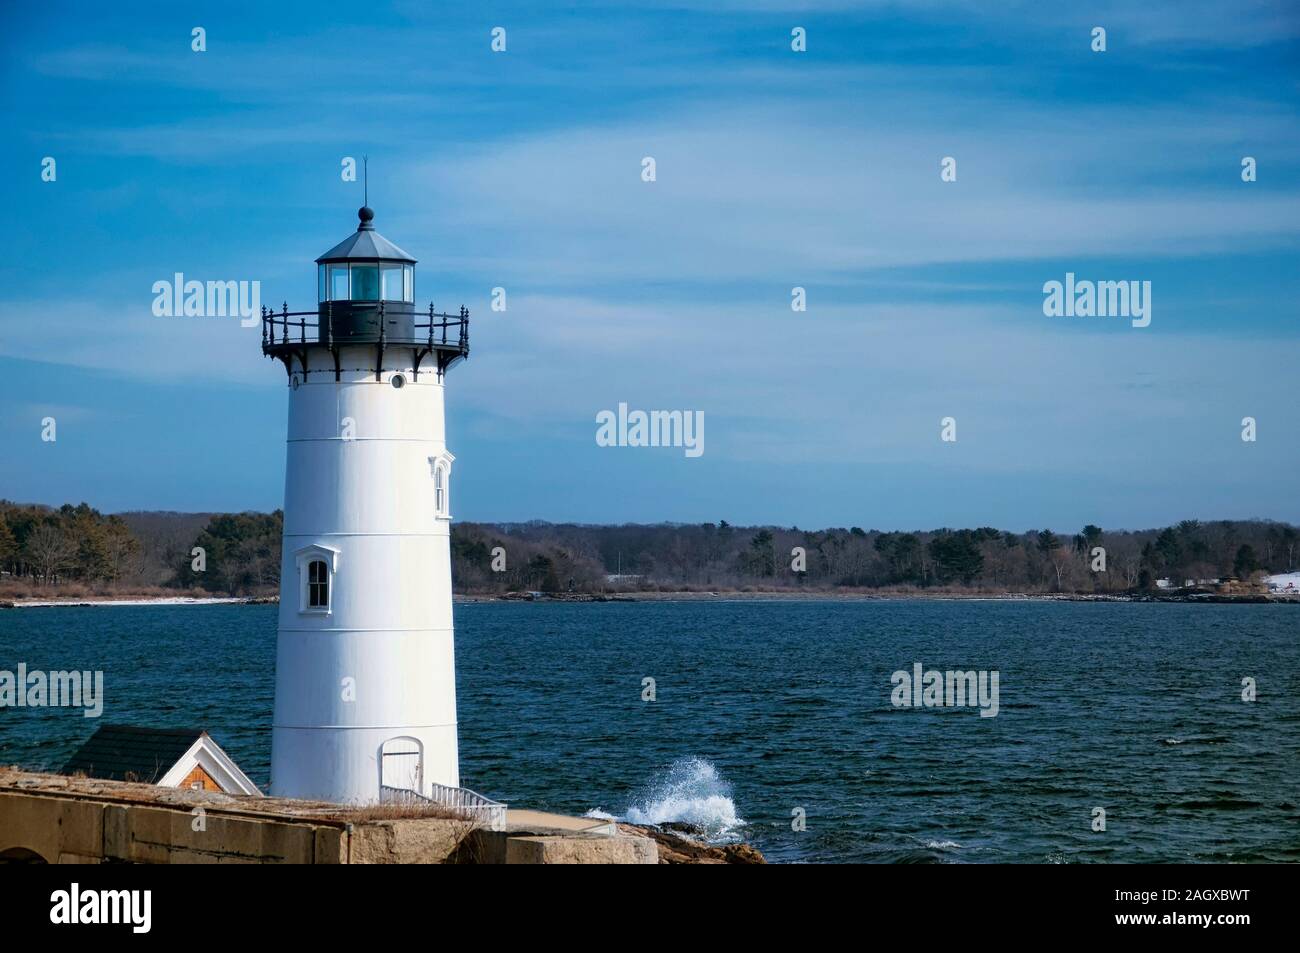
168,757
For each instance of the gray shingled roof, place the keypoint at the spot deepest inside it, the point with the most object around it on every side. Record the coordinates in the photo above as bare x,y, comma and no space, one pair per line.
365,244
114,751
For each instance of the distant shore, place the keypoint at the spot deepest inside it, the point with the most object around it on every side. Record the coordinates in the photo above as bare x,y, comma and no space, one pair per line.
787,595
772,595
137,601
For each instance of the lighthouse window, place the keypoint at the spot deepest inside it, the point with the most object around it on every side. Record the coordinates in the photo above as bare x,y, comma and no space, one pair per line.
318,585
440,468
408,283
323,288
365,282
338,282
391,276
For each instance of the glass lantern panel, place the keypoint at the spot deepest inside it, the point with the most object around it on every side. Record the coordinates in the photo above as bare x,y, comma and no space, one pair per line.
391,276
365,282
338,282
408,283
320,284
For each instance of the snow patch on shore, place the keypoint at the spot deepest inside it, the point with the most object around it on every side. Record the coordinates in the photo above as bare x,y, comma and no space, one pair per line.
1283,582
165,601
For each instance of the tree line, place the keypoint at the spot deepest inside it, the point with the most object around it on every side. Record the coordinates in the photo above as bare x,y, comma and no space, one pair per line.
554,557
69,543
80,547
240,555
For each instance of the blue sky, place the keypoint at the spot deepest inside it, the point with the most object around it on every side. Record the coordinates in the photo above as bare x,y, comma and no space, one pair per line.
775,169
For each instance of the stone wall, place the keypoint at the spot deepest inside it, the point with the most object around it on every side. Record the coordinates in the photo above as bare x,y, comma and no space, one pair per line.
83,820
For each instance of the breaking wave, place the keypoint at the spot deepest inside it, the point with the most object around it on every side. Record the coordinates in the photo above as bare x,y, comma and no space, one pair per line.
689,792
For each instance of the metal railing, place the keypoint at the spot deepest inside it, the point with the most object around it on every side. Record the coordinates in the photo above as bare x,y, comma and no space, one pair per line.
391,795
443,331
491,814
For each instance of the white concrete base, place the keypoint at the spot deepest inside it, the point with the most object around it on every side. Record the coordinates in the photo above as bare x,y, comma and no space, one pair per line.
342,765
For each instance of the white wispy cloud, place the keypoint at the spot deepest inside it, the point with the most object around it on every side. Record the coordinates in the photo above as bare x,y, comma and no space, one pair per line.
869,384
767,192
126,338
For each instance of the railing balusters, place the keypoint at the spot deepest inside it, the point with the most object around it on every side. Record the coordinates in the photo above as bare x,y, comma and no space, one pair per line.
438,328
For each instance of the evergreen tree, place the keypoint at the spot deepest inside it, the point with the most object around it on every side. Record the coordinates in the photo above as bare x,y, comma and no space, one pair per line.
8,544
1246,562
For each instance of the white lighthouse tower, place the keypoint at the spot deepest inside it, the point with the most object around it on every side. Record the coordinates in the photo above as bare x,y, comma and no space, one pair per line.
365,686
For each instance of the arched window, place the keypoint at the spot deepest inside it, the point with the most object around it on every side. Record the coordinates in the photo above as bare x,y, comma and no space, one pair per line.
317,565
21,855
440,467
318,585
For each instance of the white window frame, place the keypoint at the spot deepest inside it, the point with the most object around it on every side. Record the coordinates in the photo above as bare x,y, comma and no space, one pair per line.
318,585
304,558
441,464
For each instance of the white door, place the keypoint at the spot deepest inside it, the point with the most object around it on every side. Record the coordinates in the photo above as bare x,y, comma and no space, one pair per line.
402,764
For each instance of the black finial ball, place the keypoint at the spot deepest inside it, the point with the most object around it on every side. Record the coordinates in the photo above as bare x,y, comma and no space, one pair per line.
365,213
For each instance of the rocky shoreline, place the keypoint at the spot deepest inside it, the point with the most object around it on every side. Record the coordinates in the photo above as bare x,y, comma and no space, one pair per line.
677,847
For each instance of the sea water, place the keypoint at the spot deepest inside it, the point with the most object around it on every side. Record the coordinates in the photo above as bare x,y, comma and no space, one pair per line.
772,722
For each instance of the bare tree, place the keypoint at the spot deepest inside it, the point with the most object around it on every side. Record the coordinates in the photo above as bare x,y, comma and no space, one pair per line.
50,551
122,555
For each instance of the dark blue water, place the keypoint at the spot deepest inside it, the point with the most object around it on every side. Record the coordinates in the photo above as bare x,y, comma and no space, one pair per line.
767,707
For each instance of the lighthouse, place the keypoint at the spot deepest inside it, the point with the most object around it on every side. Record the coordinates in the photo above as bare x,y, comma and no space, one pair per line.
365,686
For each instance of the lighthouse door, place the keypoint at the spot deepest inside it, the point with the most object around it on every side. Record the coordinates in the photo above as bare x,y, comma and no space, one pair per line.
402,765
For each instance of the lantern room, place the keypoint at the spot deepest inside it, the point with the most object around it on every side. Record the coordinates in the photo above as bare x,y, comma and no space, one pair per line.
366,296
365,282
366,267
